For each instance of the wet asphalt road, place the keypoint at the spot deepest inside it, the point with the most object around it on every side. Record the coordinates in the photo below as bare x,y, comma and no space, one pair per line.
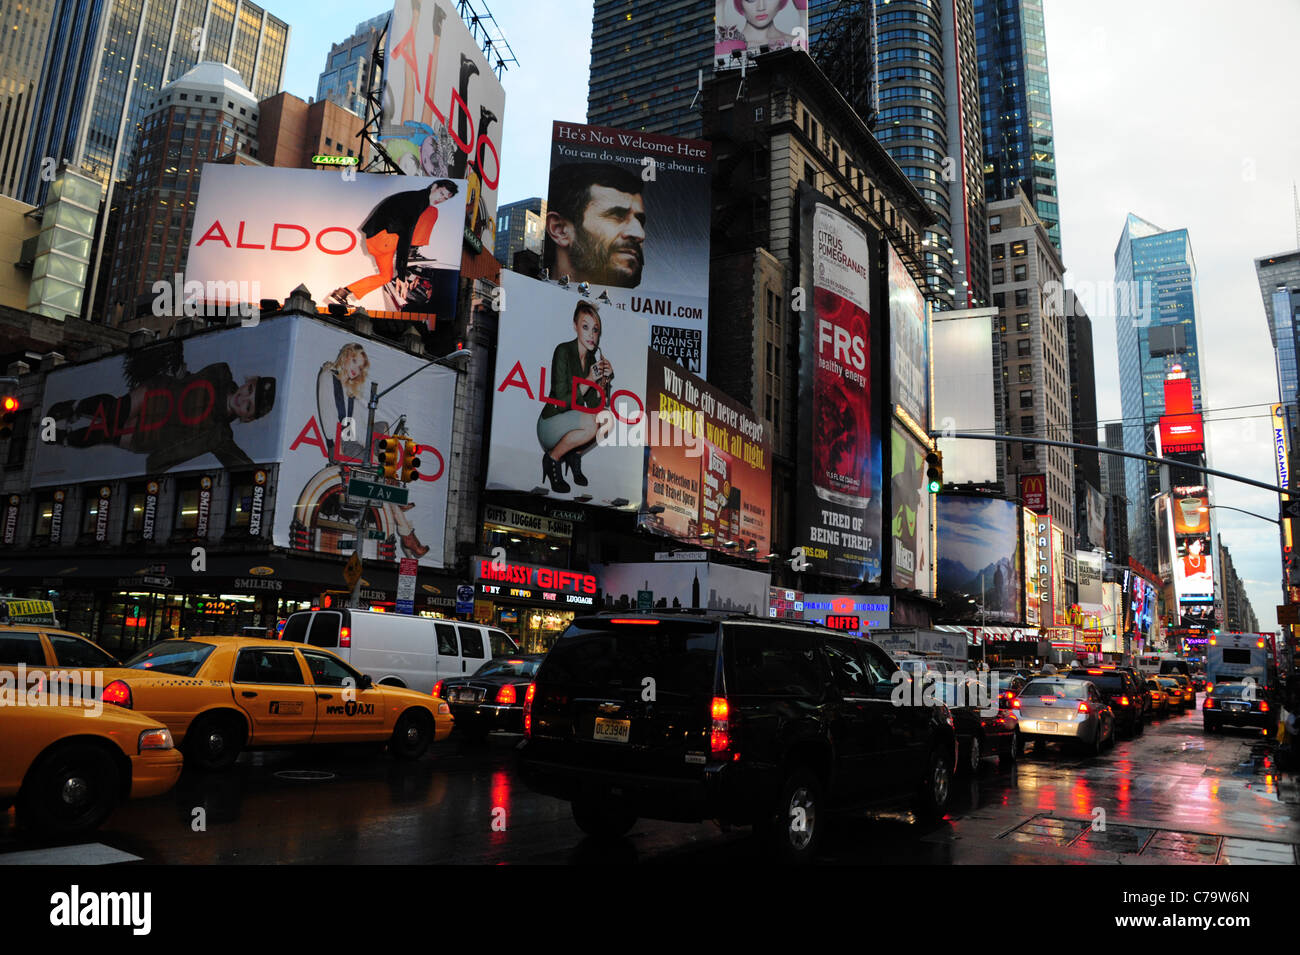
1171,795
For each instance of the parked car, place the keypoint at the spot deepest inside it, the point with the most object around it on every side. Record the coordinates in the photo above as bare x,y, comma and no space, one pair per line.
220,695
67,769
744,720
1237,704
397,649
492,697
1058,709
1122,694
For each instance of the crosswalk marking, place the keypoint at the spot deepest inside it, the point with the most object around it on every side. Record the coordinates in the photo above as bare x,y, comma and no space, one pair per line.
93,853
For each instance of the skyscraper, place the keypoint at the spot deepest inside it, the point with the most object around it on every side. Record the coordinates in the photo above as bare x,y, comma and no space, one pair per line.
925,81
1157,325
646,60
106,62
22,50
1016,106
347,66
1279,286
520,225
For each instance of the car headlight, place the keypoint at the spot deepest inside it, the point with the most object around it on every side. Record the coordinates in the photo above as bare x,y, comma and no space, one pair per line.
160,738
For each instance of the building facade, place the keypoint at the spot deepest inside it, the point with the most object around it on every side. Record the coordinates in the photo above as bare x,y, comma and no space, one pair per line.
1016,106
22,51
290,132
1113,490
347,66
645,64
1238,614
1279,287
520,225
1157,325
1036,393
198,118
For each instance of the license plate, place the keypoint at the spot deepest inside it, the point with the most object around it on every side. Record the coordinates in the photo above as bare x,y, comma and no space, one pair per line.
1046,727
464,696
612,731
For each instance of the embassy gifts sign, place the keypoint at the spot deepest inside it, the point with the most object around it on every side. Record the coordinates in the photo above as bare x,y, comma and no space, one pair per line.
570,378
200,403
839,504
707,460
443,109
325,432
390,243
628,213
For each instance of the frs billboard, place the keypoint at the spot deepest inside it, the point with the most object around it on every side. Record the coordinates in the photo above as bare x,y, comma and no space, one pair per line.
327,414
746,28
568,397
443,108
212,401
840,476
389,243
707,469
628,213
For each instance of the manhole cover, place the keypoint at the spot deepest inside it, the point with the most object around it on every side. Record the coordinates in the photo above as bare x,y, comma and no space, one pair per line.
1183,846
1046,830
304,775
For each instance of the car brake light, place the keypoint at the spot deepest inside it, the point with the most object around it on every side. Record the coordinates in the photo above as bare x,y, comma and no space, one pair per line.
345,637
1214,641
1014,702
1209,703
1083,707
1123,701
1209,687
117,693
637,620
528,709
1094,672
506,694
1048,699
1263,706
1259,643
720,737
437,688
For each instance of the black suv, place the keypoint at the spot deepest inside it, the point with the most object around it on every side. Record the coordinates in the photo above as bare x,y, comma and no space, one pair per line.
1121,690
739,719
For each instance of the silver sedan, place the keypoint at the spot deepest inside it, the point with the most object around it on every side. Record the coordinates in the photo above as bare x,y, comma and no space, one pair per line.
1054,708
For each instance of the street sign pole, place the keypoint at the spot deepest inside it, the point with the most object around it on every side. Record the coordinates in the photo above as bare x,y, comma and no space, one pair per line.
355,600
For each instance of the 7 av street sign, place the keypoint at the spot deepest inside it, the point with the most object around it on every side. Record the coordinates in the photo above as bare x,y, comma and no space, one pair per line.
370,491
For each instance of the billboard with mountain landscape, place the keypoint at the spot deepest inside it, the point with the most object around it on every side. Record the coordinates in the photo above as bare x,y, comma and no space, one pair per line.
979,544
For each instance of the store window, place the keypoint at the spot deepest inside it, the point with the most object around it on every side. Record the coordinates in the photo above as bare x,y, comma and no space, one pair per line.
241,499
187,507
136,499
44,517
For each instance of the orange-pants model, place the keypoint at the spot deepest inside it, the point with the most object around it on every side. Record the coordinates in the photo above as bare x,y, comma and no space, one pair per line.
383,249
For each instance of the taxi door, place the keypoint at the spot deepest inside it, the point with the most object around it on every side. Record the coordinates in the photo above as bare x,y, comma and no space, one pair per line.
270,685
344,712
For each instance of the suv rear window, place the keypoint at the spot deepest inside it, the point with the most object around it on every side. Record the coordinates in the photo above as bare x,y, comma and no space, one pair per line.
177,657
295,630
681,660
1062,691
767,661
324,630
1110,682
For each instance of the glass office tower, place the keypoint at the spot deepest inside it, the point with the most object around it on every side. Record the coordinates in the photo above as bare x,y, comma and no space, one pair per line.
1279,286
106,61
1157,325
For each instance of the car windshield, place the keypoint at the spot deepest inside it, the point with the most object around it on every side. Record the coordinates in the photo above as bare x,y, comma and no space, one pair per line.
177,657
1107,680
508,666
1062,691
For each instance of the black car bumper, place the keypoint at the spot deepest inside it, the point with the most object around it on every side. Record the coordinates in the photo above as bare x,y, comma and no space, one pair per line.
488,716
717,791
1248,718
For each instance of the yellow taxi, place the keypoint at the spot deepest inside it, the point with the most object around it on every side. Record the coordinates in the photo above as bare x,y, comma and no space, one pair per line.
31,641
67,766
220,695
1159,698
1173,691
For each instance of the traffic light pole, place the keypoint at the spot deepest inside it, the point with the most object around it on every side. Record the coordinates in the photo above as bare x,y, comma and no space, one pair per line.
354,601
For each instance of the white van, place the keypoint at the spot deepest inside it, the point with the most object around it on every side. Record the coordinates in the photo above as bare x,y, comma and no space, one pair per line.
397,649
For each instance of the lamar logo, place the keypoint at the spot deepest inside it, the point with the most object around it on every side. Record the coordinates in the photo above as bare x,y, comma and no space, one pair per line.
351,708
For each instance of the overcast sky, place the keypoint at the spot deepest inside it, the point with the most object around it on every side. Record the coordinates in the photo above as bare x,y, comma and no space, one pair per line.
1180,111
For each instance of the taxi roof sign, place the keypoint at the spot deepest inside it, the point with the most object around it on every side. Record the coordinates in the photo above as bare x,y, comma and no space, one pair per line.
13,610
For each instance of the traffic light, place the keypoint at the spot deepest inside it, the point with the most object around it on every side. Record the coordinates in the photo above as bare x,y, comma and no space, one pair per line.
386,456
934,471
409,462
8,411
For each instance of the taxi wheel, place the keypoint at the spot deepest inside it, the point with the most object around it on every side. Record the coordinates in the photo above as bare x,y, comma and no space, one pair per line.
1016,748
411,735
214,742
73,788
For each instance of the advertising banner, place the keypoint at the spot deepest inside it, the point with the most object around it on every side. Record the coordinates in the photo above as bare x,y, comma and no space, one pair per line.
1192,513
1033,492
213,400
839,506
1095,511
677,585
443,109
11,518
568,405
390,243
857,615
747,28
962,369
1048,581
1191,554
1193,570
564,588
707,463
910,500
979,559
1029,530
326,415
909,385
628,213
1089,568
